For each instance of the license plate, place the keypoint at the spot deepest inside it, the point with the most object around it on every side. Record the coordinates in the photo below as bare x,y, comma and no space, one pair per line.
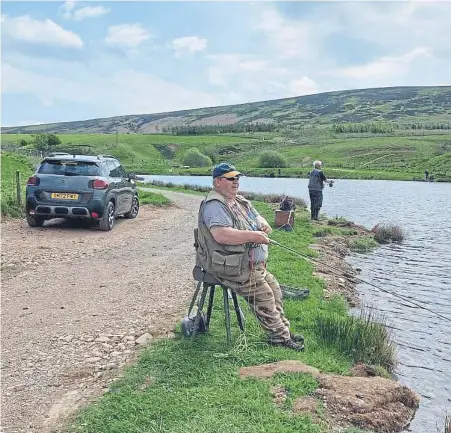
64,196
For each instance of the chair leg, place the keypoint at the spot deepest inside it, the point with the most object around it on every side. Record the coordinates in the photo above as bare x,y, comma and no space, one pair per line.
193,300
210,306
227,314
239,313
199,309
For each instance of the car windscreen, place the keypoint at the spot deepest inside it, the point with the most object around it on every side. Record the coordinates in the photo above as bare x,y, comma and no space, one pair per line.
70,168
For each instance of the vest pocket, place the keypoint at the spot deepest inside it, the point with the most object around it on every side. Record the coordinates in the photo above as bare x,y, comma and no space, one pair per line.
226,265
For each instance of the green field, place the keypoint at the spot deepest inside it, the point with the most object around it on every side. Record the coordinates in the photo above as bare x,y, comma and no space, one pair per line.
10,164
366,157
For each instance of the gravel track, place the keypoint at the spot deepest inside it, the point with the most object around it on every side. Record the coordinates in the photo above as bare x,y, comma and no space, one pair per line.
78,304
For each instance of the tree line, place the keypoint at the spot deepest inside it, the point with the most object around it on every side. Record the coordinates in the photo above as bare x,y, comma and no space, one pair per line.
219,129
387,127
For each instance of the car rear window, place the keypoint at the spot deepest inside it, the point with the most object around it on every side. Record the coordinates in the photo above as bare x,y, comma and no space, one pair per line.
70,168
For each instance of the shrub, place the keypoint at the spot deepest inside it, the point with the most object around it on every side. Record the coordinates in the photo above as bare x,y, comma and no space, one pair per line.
211,153
194,158
385,233
271,159
362,244
359,337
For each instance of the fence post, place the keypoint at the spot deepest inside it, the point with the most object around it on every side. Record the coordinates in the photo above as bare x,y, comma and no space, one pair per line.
19,195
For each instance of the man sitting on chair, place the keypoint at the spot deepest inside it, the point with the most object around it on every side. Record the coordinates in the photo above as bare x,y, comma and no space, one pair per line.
233,247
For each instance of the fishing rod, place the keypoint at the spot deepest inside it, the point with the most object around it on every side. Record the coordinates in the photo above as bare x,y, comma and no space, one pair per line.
363,165
311,259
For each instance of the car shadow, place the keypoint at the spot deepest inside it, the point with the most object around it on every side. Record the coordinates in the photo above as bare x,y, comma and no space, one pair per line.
76,224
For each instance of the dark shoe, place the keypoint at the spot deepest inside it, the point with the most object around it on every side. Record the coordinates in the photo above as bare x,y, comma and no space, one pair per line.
289,344
297,338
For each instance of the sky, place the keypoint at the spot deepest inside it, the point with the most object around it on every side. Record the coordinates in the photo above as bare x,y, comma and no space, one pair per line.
66,61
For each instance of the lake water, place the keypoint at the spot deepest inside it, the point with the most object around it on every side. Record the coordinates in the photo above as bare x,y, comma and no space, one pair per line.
419,269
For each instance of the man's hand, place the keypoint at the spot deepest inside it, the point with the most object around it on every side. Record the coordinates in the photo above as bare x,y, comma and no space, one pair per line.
263,225
260,238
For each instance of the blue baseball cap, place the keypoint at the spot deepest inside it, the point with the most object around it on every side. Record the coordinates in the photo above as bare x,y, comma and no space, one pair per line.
225,170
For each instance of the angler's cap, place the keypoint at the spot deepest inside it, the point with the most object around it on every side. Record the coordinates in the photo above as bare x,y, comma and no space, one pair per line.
225,170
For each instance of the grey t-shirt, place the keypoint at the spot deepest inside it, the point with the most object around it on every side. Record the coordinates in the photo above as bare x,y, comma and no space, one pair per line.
216,214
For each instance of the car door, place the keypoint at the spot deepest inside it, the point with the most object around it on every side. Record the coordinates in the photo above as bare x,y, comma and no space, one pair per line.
128,191
118,185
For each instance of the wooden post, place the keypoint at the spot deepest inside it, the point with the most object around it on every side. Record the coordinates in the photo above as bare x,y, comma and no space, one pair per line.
19,195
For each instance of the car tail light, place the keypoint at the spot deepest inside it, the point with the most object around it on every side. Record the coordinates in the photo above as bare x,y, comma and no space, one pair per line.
94,214
99,184
33,181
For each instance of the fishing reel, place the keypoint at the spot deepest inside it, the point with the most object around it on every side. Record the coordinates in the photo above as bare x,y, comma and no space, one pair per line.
331,183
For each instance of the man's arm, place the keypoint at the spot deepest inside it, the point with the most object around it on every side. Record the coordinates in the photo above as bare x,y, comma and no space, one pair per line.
231,236
263,225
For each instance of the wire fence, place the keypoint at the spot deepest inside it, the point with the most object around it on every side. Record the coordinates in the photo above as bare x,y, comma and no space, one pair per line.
13,195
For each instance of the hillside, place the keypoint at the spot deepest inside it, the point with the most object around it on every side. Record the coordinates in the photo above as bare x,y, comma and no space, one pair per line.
401,104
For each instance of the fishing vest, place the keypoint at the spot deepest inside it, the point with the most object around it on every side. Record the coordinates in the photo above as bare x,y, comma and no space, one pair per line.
315,182
230,264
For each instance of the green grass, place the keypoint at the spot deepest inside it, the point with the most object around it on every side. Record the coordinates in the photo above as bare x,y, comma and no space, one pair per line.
179,385
362,244
357,157
147,197
361,337
10,164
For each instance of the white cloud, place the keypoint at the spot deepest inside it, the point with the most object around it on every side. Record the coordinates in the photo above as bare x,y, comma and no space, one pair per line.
23,123
67,8
396,25
290,39
89,12
47,32
134,92
216,76
303,86
245,67
385,66
69,12
126,35
189,44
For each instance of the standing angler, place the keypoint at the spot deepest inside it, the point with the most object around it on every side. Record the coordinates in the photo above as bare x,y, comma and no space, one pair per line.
317,179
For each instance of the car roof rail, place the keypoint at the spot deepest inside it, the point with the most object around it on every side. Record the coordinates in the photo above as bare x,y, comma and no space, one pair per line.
105,156
59,154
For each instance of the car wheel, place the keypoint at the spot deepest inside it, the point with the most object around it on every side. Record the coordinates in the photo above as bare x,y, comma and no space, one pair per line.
134,209
35,221
108,217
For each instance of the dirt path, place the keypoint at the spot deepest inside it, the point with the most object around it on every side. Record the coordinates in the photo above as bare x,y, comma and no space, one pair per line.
78,303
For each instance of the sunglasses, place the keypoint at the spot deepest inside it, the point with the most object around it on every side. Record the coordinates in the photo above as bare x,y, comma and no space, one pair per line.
231,179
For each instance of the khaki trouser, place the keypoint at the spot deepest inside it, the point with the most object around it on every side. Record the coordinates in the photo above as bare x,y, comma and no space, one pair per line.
264,296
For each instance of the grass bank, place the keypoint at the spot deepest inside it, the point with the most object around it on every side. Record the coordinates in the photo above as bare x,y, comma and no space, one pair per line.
354,157
178,385
10,164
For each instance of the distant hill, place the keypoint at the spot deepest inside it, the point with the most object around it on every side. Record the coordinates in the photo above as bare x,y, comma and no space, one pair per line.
404,104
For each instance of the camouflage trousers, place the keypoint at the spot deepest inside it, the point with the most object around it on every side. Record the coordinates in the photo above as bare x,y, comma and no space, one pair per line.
263,294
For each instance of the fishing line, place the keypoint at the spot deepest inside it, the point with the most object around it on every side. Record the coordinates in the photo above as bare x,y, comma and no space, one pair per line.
367,163
311,259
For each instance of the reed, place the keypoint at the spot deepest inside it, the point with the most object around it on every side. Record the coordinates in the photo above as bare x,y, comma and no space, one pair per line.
365,338
386,233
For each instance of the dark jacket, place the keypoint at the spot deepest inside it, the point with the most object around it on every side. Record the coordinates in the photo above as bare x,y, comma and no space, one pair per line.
316,180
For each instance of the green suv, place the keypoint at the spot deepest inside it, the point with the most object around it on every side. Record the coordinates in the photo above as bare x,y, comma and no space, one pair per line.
81,186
